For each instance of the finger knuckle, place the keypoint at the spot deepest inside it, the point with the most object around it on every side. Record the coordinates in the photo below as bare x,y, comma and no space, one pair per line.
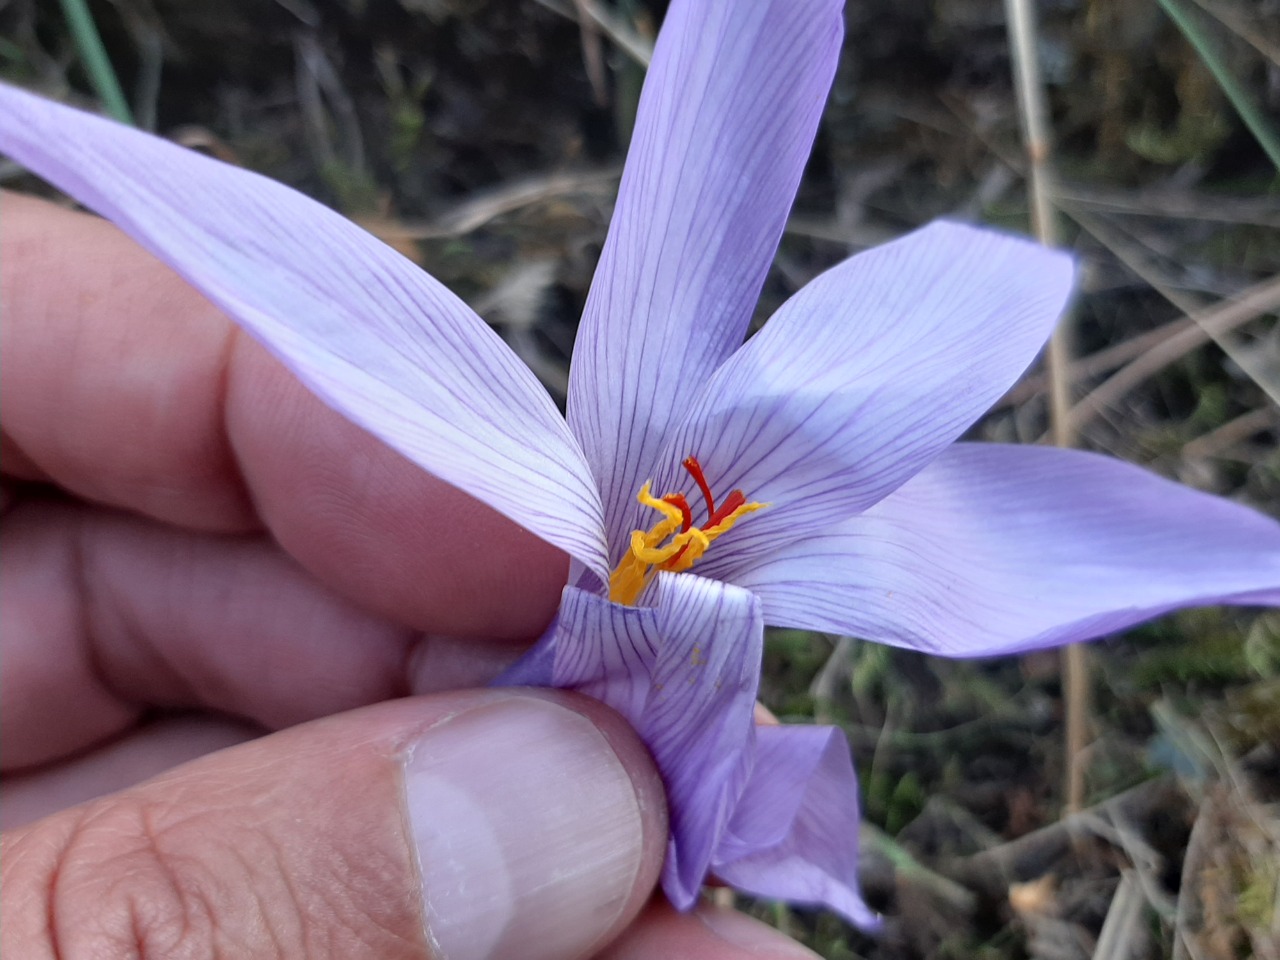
146,881
198,877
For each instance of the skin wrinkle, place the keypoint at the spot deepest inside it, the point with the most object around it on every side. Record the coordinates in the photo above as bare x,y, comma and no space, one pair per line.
257,849
52,928
82,592
98,611
186,915
81,832
222,392
15,465
383,927
123,649
272,917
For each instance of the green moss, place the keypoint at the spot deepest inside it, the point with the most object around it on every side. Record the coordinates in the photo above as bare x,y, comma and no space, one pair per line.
1259,894
1196,646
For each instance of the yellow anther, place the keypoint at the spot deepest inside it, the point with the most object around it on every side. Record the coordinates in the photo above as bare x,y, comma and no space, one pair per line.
672,544
725,525
668,510
691,539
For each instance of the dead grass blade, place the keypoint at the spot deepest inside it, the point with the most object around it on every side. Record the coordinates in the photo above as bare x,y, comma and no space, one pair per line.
1035,132
1212,324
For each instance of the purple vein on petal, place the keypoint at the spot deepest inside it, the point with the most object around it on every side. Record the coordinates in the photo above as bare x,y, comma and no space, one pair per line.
996,549
794,835
725,123
685,673
866,375
374,336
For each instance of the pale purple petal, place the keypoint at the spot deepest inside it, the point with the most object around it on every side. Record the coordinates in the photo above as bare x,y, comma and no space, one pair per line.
997,549
725,123
605,650
685,673
374,336
863,377
794,835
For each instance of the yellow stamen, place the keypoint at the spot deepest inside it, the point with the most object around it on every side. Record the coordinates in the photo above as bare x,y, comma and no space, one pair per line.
669,544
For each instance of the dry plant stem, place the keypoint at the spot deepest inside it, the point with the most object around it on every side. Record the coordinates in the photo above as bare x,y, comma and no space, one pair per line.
1210,324
1123,935
1241,28
1098,363
1193,863
1033,853
1170,204
592,54
1148,353
484,207
1035,131
833,672
1126,253
628,41
908,869
1146,862
1221,439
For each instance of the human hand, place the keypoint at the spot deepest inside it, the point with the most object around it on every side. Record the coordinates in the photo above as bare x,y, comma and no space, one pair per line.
210,586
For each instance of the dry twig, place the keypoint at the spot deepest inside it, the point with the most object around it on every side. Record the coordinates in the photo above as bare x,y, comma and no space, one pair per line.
474,213
1035,131
1207,325
627,40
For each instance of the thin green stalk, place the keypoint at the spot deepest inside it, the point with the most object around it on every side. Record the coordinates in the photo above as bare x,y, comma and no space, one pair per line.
94,55
1249,112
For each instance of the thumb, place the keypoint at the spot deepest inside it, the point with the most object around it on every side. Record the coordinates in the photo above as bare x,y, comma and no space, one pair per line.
466,825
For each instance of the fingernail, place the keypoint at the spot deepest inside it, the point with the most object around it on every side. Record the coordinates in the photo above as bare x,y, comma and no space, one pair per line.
528,832
757,939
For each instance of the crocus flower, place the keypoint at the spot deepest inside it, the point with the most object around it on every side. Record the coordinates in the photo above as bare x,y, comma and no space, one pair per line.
703,487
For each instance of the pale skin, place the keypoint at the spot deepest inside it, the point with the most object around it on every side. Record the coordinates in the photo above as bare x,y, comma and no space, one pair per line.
221,600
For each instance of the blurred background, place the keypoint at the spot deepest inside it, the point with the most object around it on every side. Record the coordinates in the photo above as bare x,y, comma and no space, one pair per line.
484,139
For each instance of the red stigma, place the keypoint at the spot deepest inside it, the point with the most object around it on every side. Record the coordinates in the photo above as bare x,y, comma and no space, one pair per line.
695,470
678,501
731,503
714,517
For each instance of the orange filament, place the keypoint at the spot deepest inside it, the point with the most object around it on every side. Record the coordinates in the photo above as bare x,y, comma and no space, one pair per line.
674,543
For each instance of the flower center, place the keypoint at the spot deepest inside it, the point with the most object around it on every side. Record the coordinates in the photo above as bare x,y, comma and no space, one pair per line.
674,543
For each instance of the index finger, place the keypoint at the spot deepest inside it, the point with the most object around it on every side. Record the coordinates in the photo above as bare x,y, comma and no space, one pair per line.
124,386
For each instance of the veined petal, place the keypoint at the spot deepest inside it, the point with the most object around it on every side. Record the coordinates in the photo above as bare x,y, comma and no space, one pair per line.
700,718
997,549
794,835
605,650
374,336
863,377
725,123
685,673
